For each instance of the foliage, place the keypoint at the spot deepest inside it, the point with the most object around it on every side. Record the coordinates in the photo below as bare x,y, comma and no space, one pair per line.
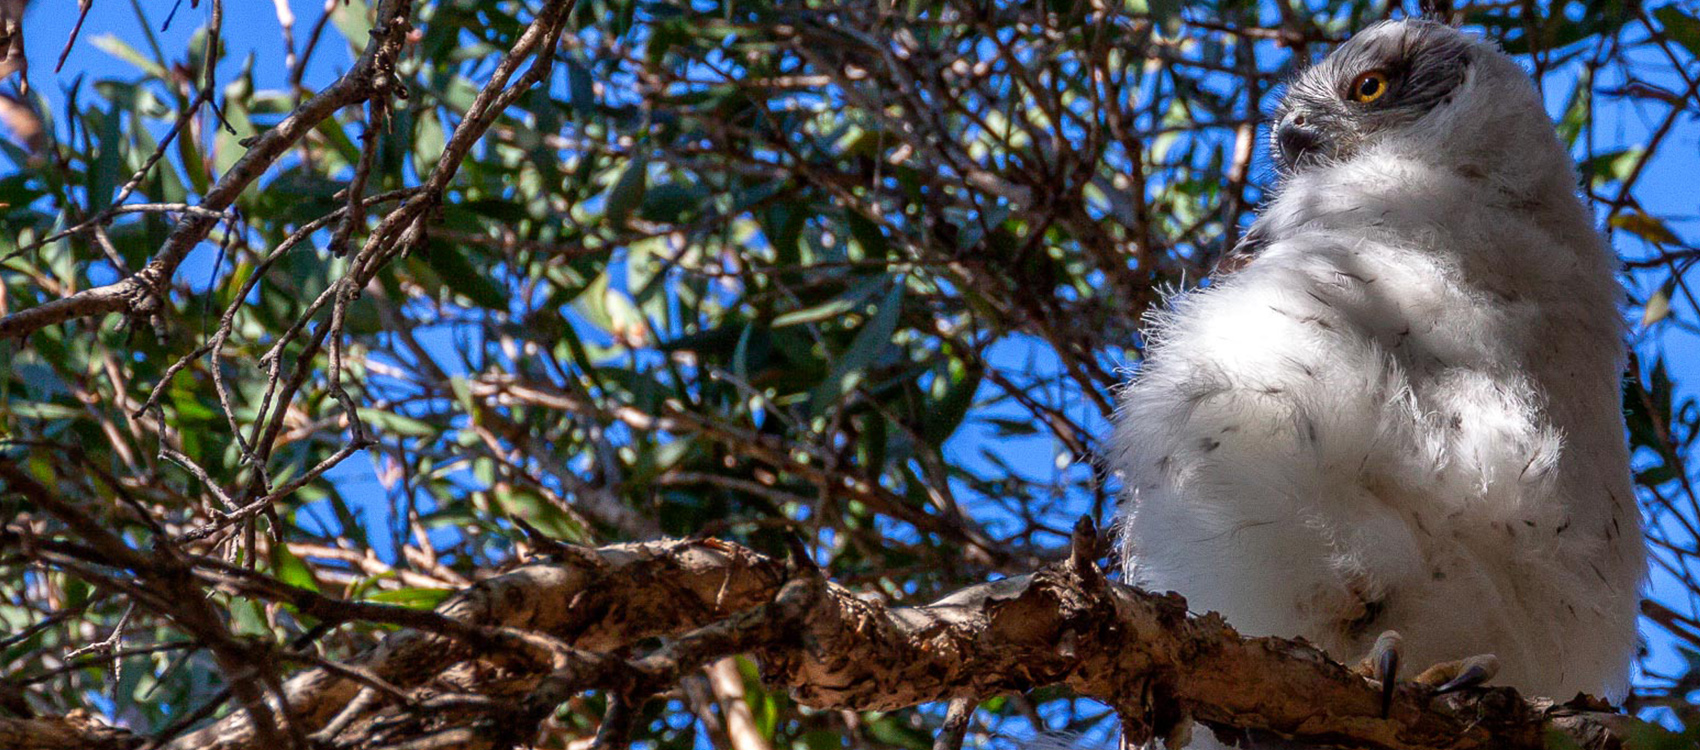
864,274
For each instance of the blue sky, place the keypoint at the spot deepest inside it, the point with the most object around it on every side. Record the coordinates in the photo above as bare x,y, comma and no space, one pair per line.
252,28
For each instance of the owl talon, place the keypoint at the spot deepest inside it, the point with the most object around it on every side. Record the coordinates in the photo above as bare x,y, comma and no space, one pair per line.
1382,665
1452,676
1386,653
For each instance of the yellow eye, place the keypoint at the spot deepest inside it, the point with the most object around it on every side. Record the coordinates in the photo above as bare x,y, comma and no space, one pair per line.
1368,87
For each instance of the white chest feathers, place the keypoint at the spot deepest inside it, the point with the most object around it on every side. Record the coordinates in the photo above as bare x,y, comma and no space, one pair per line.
1403,413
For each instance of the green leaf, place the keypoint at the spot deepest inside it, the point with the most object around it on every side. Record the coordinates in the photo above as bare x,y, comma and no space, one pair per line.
291,569
1012,427
955,388
867,234
397,424
541,514
351,18
581,89
627,192
1167,13
459,275
116,47
1681,27
1644,226
248,617
109,160
1578,110
339,141
1658,305
186,399
834,308
411,598
847,371
428,141
42,411
671,202
1611,166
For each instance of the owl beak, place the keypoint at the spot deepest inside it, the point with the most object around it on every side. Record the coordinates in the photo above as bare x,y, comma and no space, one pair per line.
1300,141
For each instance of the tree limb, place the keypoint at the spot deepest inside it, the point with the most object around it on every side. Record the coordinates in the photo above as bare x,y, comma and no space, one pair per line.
76,731
1144,654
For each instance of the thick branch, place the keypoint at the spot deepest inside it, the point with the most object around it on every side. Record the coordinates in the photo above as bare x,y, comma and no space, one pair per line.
1142,653
599,602
77,731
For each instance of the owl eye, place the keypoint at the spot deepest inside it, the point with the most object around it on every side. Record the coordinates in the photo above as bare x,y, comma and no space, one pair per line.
1368,87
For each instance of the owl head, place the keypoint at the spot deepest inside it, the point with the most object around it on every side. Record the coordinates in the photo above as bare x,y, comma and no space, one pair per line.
1423,90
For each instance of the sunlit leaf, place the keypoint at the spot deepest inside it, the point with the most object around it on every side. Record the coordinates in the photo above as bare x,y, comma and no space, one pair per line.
410,597
291,569
1644,226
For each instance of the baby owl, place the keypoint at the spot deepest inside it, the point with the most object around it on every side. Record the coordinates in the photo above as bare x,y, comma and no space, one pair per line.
1401,411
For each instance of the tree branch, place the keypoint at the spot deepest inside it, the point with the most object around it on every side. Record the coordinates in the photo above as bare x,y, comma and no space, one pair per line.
76,731
1144,654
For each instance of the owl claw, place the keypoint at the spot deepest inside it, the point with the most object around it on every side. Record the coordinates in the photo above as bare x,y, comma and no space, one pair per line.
1382,665
1452,676
1386,655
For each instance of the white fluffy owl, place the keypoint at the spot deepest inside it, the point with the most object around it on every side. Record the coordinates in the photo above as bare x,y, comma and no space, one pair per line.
1402,412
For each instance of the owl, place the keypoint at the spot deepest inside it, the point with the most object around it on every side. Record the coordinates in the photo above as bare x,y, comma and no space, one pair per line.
1401,410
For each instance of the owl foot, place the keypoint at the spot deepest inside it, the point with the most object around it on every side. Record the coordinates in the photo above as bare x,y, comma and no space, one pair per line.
1451,676
1382,665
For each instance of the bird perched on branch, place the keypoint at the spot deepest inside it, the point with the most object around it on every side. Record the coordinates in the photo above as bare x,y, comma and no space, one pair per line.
1402,412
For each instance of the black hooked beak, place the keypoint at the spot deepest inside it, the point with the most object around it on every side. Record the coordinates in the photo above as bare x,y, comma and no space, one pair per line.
1300,142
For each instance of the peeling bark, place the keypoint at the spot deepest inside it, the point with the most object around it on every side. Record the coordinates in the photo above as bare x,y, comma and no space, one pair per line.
1144,654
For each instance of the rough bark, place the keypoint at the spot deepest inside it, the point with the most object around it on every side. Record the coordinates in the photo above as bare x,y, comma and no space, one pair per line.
551,629
75,731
